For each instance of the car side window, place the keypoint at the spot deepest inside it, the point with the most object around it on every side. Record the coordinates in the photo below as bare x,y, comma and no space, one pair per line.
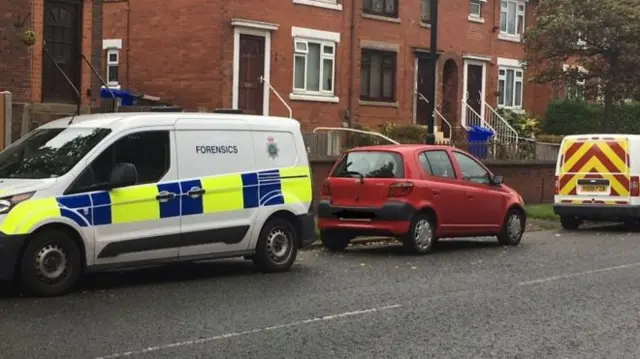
437,163
471,169
149,151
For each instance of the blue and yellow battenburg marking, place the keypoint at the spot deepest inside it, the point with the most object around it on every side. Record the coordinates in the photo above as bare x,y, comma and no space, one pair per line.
138,203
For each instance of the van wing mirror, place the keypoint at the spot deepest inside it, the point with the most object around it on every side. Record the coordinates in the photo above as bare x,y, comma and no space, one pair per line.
497,180
123,175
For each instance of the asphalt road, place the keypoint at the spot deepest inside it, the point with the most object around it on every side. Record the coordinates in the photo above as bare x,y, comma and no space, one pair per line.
558,295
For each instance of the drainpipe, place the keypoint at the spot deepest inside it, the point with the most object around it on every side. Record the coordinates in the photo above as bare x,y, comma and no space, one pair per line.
128,47
433,53
352,39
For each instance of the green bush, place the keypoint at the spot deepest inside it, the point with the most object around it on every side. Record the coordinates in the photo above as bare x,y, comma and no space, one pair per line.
545,138
404,133
526,125
572,117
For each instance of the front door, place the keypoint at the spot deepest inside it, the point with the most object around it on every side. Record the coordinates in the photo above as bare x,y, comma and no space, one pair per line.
251,69
475,74
424,88
62,34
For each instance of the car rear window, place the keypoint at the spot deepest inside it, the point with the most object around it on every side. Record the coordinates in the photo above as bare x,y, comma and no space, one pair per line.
370,164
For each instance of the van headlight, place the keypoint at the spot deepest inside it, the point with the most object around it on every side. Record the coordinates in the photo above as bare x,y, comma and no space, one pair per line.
6,203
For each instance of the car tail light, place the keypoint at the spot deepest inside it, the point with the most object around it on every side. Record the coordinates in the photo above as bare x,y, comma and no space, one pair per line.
635,186
400,189
556,186
326,189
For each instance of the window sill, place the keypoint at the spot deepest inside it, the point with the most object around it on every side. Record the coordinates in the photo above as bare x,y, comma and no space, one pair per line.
425,25
321,4
511,38
378,103
381,18
112,87
313,98
475,19
518,110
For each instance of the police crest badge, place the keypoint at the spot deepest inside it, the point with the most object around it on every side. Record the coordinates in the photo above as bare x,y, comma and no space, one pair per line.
272,147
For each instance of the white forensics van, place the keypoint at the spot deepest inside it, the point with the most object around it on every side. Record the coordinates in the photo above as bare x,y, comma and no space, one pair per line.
106,191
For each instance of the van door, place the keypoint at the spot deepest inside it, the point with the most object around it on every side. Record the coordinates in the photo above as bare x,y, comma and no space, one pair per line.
594,170
215,158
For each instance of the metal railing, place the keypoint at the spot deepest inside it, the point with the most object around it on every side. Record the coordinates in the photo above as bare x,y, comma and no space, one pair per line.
503,130
437,113
263,80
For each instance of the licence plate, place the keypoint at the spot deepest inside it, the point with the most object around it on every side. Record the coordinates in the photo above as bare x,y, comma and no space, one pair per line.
593,188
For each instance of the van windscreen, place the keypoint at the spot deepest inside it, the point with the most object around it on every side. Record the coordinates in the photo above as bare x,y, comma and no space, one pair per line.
370,164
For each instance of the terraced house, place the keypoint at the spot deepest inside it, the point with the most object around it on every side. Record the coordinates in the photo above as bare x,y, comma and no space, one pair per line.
67,35
334,62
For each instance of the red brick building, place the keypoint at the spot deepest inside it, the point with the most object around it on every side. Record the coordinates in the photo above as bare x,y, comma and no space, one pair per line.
333,61
69,28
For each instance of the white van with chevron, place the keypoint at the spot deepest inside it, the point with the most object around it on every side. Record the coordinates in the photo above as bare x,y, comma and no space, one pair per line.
597,179
108,191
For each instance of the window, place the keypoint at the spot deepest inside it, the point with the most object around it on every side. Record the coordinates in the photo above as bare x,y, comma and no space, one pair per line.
378,76
49,153
512,17
471,169
314,67
388,8
148,151
510,87
426,11
475,9
370,164
113,63
437,163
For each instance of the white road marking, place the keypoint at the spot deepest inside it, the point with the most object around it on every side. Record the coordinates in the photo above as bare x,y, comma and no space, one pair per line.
572,275
247,332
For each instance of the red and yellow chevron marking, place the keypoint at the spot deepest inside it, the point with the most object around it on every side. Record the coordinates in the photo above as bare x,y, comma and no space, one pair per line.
607,159
579,201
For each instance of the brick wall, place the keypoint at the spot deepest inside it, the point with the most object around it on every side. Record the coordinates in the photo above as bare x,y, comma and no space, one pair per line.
184,53
534,181
14,55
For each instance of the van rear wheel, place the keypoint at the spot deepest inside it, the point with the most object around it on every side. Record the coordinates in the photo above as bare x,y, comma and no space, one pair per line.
51,264
570,223
277,247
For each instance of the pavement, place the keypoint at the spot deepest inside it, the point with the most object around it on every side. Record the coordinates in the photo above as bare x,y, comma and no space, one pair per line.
557,295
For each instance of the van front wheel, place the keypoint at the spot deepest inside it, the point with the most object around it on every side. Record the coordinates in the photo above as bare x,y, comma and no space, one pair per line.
50,265
277,247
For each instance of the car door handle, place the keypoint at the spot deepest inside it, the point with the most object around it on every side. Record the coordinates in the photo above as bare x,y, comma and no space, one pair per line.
165,196
195,191
435,191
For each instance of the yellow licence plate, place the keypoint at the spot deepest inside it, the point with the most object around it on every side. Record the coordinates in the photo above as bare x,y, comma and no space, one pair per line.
592,188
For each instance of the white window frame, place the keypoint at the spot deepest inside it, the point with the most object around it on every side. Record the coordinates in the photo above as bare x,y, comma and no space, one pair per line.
325,4
520,18
477,17
302,37
110,63
515,66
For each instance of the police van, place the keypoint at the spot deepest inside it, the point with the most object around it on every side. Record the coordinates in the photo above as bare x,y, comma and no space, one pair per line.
108,191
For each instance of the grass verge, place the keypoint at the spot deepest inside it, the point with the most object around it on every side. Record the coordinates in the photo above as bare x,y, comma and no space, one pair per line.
541,211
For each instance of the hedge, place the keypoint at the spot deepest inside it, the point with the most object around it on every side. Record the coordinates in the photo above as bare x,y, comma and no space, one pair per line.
573,117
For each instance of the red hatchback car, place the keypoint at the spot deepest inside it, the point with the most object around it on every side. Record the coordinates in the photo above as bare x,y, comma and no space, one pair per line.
418,193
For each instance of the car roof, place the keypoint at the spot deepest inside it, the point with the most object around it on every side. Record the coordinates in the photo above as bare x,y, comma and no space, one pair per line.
401,148
142,119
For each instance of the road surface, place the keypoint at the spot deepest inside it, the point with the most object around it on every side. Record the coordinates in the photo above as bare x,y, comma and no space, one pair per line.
559,294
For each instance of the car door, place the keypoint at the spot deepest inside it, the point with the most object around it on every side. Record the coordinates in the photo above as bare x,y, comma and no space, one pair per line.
485,202
216,170
443,189
139,222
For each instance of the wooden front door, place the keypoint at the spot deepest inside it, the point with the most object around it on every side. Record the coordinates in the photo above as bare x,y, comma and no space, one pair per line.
62,34
250,89
474,86
425,87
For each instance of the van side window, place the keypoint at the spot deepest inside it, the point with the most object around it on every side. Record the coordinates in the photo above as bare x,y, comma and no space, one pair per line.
471,169
149,151
437,163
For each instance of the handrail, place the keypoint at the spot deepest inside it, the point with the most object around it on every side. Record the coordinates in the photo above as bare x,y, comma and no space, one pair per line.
445,120
113,96
357,131
263,80
64,74
503,120
482,120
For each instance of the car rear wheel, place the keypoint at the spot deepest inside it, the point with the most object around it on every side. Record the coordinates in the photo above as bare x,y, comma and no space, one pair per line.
570,223
50,265
421,236
277,247
334,241
512,229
